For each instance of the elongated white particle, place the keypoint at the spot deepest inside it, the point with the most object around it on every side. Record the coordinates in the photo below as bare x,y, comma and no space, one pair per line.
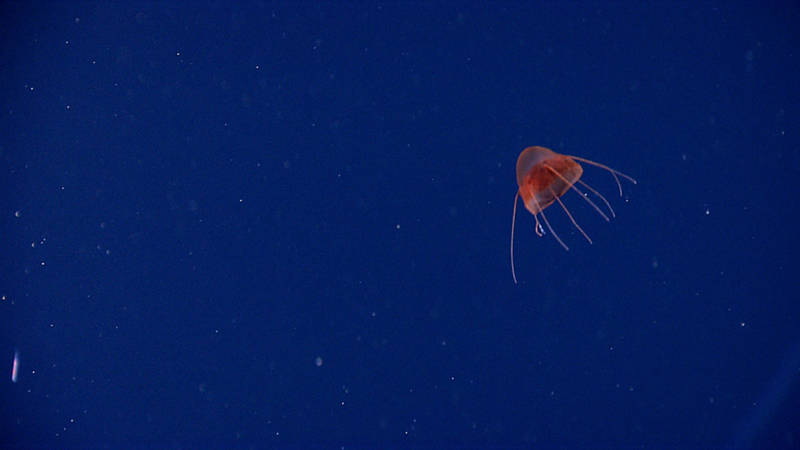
15,367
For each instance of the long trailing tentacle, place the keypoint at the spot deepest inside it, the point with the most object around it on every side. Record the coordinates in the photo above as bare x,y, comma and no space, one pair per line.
613,172
594,191
583,196
564,207
513,221
546,222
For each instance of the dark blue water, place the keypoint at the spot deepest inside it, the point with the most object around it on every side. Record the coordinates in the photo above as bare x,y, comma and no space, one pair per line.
276,225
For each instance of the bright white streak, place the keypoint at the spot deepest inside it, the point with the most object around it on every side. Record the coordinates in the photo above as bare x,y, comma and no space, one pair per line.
15,367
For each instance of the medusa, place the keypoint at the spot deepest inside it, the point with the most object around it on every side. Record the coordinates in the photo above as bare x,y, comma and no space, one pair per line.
543,177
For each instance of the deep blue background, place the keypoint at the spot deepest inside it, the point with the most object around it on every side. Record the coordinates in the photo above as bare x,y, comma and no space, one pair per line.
278,224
